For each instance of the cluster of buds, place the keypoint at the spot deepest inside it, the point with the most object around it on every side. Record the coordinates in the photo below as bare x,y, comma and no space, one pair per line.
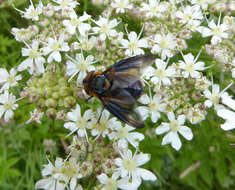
52,93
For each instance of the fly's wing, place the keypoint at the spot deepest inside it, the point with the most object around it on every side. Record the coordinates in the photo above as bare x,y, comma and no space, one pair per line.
126,72
121,104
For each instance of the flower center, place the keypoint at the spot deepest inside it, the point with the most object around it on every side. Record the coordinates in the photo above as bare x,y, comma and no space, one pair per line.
74,22
122,133
153,106
81,123
190,68
187,17
154,9
217,31
105,29
164,43
33,13
33,54
64,3
10,79
122,4
174,125
102,126
160,73
8,105
215,98
133,45
111,184
201,2
56,46
83,65
69,171
129,164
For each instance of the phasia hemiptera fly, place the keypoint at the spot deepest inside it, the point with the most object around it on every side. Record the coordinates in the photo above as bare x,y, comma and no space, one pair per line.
119,87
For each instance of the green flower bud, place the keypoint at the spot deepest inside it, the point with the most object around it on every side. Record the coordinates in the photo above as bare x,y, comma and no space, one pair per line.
64,91
55,95
51,113
61,103
41,102
51,103
69,101
47,92
62,82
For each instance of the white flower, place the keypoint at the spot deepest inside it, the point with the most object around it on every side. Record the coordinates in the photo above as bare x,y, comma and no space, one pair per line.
65,4
229,116
53,177
164,45
189,14
173,128
54,47
213,97
80,66
8,80
153,8
202,3
77,23
72,171
161,74
233,72
123,135
121,5
105,124
105,28
85,43
35,115
226,99
109,183
128,167
218,32
34,62
32,12
22,34
7,105
78,122
153,107
134,44
190,66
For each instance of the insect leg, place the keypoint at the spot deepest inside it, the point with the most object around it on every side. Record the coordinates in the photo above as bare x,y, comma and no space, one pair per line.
88,98
100,115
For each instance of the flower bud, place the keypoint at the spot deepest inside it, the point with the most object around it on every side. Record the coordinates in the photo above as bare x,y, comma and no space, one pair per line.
51,103
69,101
51,113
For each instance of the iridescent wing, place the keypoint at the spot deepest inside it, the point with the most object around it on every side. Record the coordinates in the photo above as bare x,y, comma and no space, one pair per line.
121,104
127,72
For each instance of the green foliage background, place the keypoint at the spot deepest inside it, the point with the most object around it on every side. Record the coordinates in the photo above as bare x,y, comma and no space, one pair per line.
22,153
